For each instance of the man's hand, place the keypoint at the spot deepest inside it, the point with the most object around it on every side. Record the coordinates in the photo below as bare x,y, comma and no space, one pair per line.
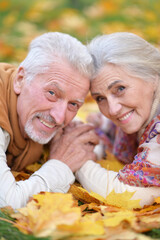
75,145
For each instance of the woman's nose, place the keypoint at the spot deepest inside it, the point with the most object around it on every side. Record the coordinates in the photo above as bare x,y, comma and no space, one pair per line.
114,107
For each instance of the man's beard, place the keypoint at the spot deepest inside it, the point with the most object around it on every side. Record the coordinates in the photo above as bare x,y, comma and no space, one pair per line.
40,137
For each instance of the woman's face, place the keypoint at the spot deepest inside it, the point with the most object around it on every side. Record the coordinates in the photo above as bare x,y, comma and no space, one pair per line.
123,98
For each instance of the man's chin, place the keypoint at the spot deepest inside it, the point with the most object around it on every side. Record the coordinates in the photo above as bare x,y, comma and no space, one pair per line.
42,138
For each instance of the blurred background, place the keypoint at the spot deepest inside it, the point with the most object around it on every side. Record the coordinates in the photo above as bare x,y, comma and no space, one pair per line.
23,20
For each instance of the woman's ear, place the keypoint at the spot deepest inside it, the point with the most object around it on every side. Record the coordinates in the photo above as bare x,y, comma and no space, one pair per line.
19,81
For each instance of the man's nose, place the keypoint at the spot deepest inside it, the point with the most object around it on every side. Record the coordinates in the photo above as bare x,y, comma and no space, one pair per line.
58,112
114,107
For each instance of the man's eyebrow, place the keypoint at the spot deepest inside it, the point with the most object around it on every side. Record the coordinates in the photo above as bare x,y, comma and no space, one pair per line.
80,100
57,86
113,83
62,91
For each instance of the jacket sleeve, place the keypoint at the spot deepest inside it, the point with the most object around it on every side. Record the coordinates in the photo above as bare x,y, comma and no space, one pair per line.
53,176
94,178
142,176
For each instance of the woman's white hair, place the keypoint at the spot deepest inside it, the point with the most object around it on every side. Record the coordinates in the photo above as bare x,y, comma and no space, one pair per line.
126,50
45,49
134,55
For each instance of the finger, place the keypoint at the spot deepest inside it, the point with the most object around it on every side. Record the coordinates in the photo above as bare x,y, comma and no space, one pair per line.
80,129
72,126
89,137
57,136
77,122
88,147
92,156
74,123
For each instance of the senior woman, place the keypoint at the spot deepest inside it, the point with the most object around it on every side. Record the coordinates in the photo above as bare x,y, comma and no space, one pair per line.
126,87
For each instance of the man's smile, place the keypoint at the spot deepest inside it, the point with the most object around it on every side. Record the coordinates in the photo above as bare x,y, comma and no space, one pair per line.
49,125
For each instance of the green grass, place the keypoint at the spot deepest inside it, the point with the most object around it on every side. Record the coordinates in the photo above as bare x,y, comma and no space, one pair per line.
9,232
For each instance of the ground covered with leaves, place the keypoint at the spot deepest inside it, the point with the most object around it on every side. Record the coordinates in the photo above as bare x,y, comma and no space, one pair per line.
79,215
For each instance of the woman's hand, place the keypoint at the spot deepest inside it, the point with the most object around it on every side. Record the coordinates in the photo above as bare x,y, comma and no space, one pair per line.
75,145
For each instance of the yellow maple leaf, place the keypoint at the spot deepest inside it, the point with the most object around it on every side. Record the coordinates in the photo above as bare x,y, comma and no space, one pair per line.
33,167
122,200
20,175
90,224
84,228
111,162
45,212
113,219
149,210
157,200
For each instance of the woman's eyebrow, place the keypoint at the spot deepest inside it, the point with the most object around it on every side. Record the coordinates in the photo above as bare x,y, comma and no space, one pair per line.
109,87
113,83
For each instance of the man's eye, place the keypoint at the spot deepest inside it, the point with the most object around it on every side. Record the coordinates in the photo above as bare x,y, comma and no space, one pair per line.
73,106
52,93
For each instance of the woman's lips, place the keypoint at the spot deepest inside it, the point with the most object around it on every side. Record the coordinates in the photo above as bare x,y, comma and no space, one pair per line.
126,116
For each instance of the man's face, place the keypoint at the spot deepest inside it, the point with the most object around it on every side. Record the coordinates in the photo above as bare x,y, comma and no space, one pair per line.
50,101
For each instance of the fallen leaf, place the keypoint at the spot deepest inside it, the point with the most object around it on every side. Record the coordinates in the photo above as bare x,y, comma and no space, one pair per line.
112,219
42,215
20,175
111,162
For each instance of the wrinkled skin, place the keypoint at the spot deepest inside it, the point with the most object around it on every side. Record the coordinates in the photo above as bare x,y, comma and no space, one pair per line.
48,104
123,98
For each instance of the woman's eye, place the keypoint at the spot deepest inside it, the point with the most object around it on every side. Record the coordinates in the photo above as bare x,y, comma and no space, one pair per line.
121,88
99,99
52,93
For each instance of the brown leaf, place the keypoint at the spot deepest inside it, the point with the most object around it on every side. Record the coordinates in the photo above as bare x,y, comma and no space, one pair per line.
20,175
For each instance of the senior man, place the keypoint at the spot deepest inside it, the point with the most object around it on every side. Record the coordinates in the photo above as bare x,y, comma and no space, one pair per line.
37,101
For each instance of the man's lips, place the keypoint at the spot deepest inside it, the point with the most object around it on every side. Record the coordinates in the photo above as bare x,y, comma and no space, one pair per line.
49,125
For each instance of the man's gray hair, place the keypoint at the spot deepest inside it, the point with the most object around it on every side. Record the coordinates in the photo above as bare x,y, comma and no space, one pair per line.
45,49
128,51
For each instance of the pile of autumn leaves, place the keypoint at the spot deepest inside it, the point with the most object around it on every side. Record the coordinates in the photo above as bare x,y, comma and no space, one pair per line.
80,215
61,216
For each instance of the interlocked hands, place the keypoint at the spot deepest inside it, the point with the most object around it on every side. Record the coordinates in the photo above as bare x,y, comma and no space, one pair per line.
74,145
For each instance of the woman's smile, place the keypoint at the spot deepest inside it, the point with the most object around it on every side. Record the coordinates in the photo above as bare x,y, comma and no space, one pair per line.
125,118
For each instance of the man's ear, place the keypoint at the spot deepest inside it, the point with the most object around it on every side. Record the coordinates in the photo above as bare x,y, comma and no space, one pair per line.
19,80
